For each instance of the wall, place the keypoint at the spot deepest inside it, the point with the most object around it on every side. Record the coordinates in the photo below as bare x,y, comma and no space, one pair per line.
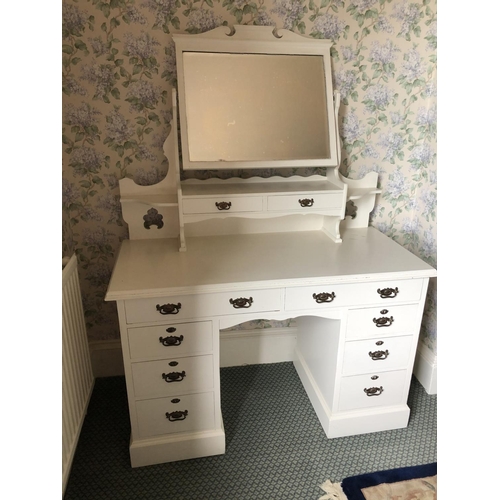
118,72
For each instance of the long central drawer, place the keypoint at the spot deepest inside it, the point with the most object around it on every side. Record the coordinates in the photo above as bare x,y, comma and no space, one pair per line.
200,305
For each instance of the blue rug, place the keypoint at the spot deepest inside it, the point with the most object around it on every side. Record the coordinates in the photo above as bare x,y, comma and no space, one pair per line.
379,484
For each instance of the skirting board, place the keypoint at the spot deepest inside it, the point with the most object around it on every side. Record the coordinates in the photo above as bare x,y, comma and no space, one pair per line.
425,368
237,348
106,358
177,447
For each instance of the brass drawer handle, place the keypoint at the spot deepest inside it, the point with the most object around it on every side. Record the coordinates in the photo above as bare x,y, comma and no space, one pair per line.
374,391
378,355
223,205
323,297
381,322
177,415
168,308
171,340
388,293
241,303
173,376
307,202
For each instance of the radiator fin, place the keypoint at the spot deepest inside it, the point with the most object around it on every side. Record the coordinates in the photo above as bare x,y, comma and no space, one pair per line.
77,377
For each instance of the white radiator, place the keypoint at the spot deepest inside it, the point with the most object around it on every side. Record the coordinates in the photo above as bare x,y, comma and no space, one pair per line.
77,377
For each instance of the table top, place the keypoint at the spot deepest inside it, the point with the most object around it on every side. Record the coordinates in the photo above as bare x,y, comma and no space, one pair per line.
155,267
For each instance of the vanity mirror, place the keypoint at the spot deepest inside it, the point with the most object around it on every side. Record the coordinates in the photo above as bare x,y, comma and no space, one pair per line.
255,110
250,97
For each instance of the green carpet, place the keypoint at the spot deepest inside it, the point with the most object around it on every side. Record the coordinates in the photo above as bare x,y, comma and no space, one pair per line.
275,446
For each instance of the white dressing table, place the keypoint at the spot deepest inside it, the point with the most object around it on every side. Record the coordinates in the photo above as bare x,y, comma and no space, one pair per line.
357,296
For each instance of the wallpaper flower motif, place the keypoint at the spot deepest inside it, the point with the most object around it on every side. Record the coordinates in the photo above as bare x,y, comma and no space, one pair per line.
118,73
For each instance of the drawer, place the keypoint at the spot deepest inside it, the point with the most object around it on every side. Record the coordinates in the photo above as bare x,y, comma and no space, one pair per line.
194,412
372,390
153,379
384,293
208,304
167,341
375,321
304,202
222,204
383,354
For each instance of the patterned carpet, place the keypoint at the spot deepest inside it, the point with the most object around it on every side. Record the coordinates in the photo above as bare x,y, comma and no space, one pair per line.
275,446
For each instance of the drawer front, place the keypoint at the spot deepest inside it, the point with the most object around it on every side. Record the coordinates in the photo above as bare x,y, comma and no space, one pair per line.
384,293
304,202
208,304
371,390
167,341
222,204
375,321
382,354
194,412
154,379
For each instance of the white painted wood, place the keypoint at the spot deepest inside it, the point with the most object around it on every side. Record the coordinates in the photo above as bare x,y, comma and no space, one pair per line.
297,298
149,382
188,339
163,197
273,256
349,423
281,203
262,185
258,197
318,342
161,448
204,205
273,267
175,447
357,359
361,324
390,390
203,304
425,369
153,421
255,347
361,192
184,204
255,223
127,365
370,420
154,268
320,405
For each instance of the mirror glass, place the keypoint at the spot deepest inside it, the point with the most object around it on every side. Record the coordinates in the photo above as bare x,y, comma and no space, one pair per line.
255,107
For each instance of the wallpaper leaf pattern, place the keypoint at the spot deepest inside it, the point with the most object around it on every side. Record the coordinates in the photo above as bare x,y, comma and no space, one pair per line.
118,63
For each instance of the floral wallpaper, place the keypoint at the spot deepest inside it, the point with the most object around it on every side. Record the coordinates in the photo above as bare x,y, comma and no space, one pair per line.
118,70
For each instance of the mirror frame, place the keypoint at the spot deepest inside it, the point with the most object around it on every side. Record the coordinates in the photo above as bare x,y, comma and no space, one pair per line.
256,40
